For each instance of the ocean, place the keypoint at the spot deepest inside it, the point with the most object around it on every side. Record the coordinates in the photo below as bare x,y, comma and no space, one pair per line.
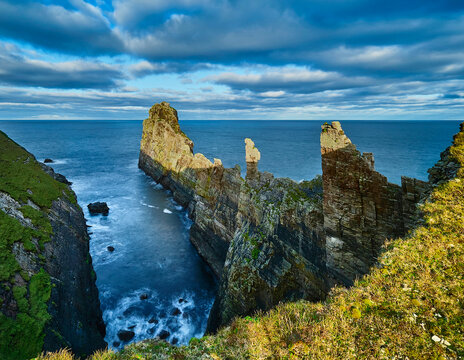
150,232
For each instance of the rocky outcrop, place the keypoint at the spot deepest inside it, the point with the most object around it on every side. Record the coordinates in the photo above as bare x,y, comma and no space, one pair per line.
277,253
210,191
48,296
361,208
272,239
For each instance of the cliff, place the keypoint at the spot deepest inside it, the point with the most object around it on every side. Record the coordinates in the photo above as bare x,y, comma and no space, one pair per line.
409,306
48,297
361,208
272,239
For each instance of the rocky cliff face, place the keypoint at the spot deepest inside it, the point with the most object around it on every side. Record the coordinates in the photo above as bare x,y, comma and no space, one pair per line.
361,208
210,191
48,297
272,239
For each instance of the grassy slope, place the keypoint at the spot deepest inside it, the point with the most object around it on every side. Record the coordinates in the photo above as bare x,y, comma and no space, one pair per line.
410,307
23,179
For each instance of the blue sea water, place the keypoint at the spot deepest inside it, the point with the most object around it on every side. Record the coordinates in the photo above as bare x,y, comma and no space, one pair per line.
149,231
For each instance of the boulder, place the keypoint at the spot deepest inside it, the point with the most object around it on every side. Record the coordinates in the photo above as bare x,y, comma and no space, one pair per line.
110,248
125,335
98,208
144,296
153,321
48,161
176,311
164,334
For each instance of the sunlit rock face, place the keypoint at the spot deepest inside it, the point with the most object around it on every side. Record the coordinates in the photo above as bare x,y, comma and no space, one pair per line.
210,191
271,239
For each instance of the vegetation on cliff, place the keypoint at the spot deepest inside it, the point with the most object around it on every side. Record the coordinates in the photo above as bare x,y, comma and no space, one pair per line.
410,306
27,195
23,179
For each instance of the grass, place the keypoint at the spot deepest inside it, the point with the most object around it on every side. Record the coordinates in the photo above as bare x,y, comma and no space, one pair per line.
23,178
409,307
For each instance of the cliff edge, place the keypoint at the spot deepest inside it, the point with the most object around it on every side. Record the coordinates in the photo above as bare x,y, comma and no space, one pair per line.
48,296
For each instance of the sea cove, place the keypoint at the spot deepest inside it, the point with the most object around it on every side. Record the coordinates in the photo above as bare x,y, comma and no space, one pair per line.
149,231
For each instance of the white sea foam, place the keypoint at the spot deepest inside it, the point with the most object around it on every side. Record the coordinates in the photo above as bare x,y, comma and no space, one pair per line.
130,310
148,205
57,162
166,211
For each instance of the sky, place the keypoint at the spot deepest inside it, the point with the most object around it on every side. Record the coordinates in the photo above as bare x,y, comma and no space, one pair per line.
232,59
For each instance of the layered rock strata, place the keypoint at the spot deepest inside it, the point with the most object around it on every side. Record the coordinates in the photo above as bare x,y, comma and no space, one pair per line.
361,208
272,239
48,296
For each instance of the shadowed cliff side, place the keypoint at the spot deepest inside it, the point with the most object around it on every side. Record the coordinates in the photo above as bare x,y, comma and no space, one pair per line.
361,208
272,239
48,297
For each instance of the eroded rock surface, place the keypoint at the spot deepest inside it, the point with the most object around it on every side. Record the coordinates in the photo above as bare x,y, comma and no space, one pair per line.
272,239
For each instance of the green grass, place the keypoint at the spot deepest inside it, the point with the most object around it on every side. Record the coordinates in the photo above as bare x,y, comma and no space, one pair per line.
22,176
409,307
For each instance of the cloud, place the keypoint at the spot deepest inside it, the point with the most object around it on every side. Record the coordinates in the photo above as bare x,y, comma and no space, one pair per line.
73,27
17,70
144,68
289,78
262,56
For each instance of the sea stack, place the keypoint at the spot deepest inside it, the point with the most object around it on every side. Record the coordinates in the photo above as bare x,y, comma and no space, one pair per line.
271,239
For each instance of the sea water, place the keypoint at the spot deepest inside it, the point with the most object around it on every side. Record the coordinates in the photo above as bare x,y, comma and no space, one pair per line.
150,232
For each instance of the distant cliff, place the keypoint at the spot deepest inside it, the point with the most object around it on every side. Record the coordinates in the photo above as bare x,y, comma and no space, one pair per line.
272,239
48,297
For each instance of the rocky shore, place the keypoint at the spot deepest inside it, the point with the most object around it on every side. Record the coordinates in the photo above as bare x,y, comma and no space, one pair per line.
271,239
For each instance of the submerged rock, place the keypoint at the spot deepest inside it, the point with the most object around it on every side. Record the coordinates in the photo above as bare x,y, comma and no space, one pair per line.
125,335
144,296
164,334
153,321
176,311
98,208
110,248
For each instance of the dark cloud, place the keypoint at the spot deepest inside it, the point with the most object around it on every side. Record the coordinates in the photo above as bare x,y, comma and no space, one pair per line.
73,27
17,70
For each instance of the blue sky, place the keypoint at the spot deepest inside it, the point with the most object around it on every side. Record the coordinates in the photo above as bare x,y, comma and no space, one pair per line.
236,59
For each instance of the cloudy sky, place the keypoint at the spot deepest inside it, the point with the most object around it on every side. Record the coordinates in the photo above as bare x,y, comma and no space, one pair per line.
235,59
